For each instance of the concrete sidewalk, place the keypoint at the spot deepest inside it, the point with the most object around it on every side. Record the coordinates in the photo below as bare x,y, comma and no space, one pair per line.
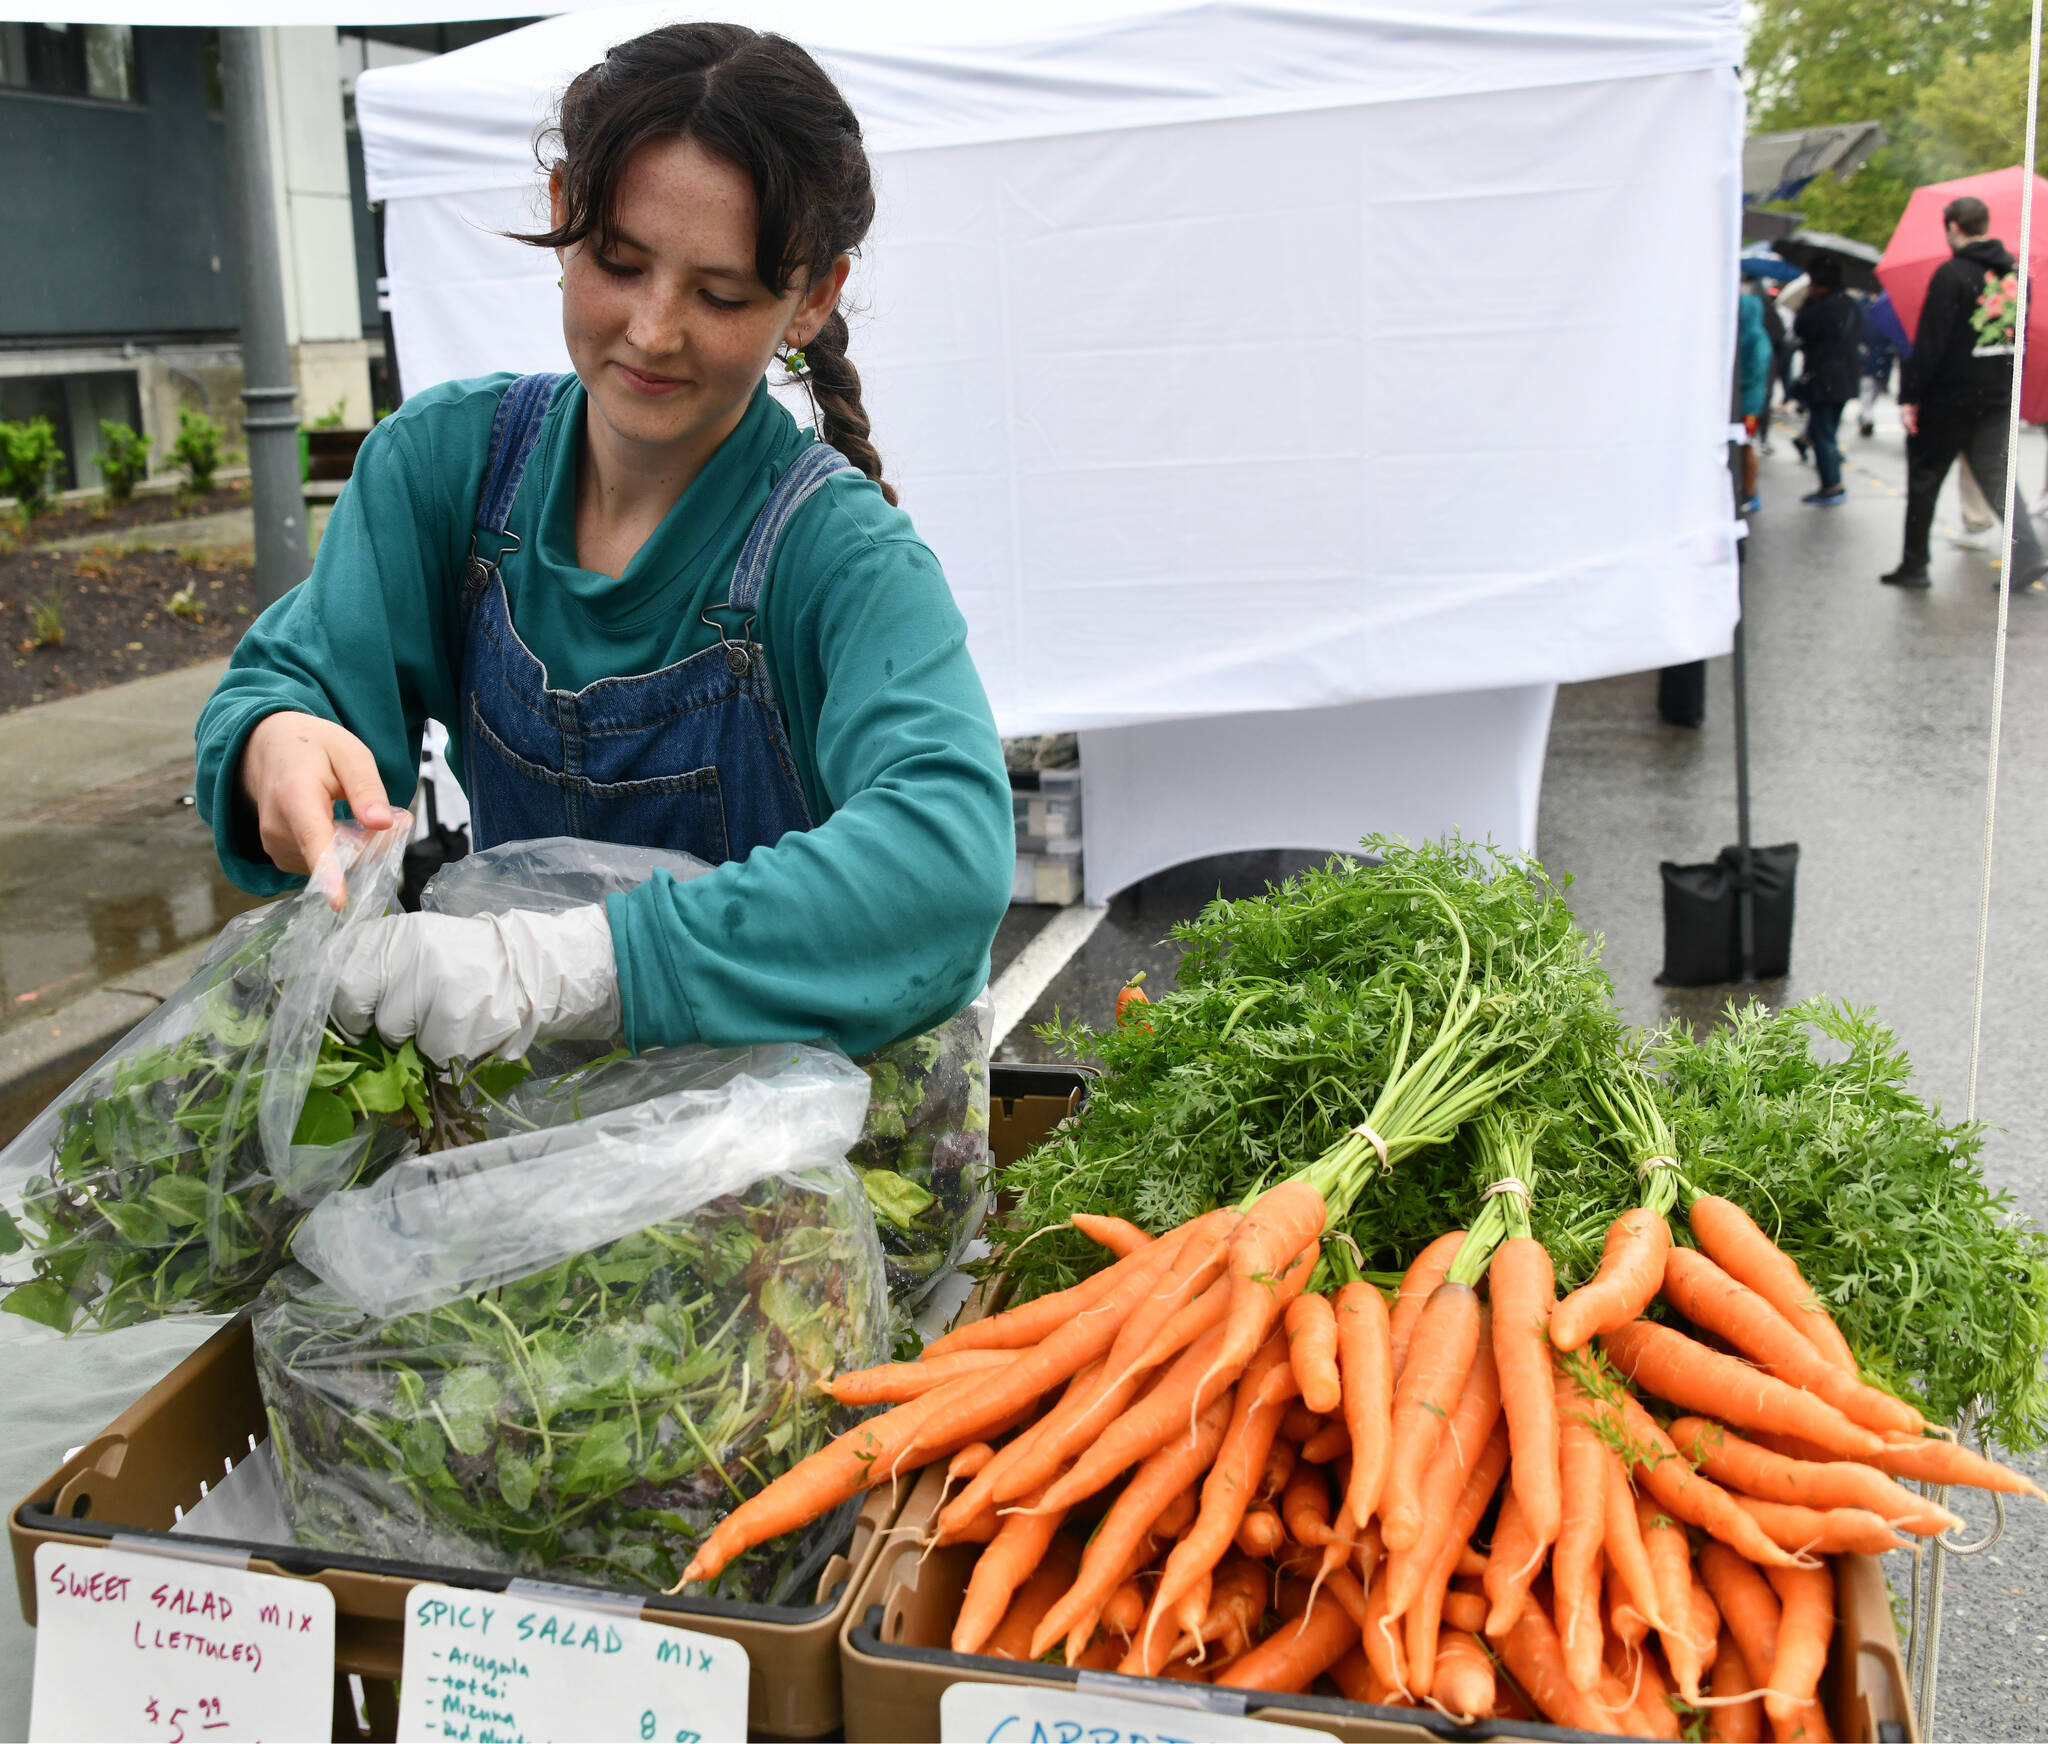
108,887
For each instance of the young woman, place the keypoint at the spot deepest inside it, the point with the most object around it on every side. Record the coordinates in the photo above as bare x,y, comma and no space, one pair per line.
651,609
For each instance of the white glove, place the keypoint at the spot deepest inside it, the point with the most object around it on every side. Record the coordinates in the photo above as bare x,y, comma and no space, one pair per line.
491,984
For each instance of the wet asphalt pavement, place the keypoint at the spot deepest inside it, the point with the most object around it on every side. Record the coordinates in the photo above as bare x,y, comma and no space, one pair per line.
1870,715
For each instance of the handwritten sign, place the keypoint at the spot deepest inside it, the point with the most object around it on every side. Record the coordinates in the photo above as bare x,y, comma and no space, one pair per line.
132,1645
995,1713
498,1668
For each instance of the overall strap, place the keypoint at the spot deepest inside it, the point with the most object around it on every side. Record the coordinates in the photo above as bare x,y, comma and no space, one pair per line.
807,472
514,431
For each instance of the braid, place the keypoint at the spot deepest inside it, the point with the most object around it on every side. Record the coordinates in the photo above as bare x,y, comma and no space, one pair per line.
835,384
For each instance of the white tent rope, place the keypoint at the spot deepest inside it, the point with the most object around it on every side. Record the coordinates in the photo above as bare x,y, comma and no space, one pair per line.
2011,505
1923,1644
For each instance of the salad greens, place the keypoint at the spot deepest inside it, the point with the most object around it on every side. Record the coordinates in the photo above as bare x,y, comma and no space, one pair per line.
596,1418
151,1193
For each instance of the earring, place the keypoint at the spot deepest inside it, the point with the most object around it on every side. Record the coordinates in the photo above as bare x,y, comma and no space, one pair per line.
792,359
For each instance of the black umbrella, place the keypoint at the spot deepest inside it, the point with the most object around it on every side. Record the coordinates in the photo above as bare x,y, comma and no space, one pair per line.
1858,260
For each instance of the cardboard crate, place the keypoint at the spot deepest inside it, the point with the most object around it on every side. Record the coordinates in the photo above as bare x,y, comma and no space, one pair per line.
895,1663
206,1416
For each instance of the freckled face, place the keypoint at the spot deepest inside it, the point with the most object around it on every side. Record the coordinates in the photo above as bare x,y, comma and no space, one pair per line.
668,324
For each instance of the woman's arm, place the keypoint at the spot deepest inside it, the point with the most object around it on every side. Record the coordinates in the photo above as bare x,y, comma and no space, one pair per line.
357,656
877,923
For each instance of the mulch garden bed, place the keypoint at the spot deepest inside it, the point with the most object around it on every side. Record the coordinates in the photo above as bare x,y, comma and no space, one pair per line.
73,520
117,614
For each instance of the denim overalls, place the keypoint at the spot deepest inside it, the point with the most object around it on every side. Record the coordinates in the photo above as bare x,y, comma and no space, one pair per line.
693,758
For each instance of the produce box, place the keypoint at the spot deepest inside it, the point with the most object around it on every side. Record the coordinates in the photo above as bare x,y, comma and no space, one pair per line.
159,1457
895,1663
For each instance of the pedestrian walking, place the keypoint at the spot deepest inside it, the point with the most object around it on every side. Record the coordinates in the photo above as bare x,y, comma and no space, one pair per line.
1884,344
1829,331
1781,361
1955,391
1754,360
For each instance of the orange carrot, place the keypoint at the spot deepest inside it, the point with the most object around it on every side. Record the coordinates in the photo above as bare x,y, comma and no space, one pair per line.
1535,1659
1279,1225
1312,1348
1773,1477
1949,1462
1052,1577
1624,1546
1440,1354
1034,1321
1305,1506
897,1383
1631,1267
1512,1568
981,1492
1237,1603
1188,1324
1149,1424
1670,1559
1382,1640
1153,1486
1199,1264
1365,1361
1464,1610
968,1462
1625,1624
1575,1557
1650,1713
1677,1487
1424,1616
1733,1720
1465,1438
1125,1610
1750,1608
1296,1654
1667,1363
1417,1286
1122,1237
1522,1284
1329,1443
1261,1402
1260,1532
1825,1531
999,1571
865,1455
1805,1627
1464,1685
1280,1464
1730,1238
1472,1563
1353,1676
1709,1297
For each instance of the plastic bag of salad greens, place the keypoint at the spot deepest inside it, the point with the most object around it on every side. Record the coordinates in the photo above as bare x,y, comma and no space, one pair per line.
171,1176
922,1155
573,1349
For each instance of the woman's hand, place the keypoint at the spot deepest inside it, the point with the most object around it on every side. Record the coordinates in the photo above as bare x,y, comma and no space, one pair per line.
294,767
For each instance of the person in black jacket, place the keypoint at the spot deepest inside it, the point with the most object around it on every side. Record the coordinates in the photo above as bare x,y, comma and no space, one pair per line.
1955,391
1829,329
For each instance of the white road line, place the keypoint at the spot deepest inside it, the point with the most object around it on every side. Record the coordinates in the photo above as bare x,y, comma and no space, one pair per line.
1031,971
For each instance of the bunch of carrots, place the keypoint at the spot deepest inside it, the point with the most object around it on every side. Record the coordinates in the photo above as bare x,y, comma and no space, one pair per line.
1192,1465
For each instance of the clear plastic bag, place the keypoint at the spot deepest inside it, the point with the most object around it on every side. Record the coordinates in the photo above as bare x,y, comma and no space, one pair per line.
923,1153
169,1178
592,1407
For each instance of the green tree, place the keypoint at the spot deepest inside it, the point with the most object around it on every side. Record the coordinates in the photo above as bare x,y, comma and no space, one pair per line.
1917,68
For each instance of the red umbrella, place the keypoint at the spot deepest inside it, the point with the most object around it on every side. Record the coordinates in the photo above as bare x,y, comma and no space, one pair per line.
1920,244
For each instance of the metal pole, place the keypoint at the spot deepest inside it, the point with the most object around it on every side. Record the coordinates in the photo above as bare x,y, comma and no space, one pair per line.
1745,885
268,396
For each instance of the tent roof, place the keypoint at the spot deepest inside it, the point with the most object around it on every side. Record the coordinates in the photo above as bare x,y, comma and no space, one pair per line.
930,73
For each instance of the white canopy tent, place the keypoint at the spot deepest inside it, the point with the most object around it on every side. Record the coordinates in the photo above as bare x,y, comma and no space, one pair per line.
1291,369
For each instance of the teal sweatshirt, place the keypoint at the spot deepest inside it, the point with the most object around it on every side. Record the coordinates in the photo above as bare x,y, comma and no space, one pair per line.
871,926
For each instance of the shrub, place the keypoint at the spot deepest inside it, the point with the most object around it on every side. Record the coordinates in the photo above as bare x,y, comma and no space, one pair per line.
29,456
197,450
124,459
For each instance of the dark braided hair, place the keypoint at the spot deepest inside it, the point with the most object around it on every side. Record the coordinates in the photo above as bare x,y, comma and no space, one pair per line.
760,103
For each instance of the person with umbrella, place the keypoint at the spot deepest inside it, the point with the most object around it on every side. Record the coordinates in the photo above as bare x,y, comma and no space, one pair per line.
1955,390
1829,329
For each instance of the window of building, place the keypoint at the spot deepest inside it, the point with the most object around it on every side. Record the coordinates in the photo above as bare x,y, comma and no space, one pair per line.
71,60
